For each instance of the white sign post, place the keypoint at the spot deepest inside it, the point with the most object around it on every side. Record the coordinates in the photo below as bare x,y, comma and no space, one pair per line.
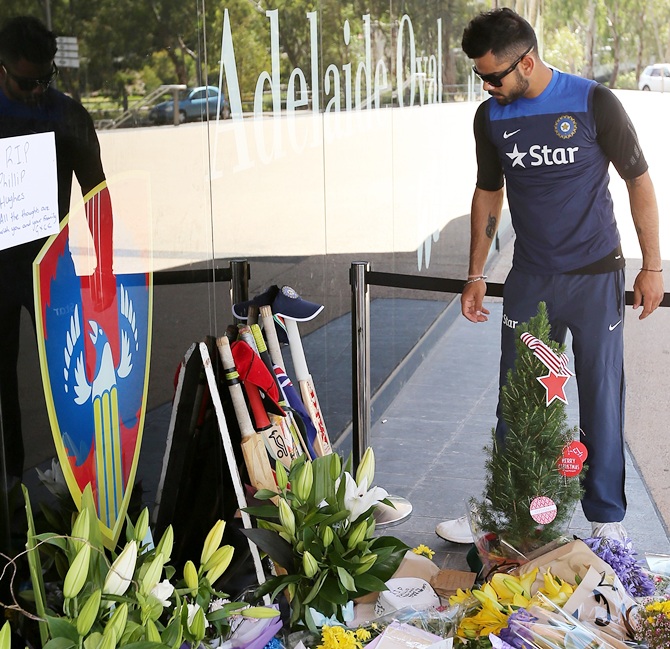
28,189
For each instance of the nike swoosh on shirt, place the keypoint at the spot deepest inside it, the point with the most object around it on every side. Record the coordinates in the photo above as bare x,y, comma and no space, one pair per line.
614,326
506,134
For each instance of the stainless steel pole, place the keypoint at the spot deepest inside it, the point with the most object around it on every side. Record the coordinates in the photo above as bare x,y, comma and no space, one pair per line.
239,282
360,346
400,508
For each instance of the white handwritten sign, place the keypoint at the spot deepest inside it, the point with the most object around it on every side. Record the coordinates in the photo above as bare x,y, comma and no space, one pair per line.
28,189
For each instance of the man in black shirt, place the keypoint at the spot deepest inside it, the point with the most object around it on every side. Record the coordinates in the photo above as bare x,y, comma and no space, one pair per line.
29,104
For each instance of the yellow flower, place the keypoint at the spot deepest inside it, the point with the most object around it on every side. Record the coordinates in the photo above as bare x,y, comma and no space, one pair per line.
490,618
337,637
363,634
487,596
461,597
511,589
557,590
659,607
424,551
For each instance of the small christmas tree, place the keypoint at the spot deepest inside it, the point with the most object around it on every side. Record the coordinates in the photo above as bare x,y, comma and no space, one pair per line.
527,467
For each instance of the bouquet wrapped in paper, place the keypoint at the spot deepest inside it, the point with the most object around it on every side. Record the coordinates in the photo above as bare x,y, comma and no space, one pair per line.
550,627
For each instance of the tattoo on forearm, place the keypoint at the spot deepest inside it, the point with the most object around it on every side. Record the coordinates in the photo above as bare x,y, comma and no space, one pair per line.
491,226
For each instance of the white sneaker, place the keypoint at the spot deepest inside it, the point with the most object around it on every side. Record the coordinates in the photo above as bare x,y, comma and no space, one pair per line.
456,531
614,531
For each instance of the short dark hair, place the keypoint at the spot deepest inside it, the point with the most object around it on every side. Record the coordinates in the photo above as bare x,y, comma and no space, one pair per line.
26,37
502,32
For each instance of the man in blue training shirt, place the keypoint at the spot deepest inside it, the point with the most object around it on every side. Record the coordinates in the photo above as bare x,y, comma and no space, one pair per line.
550,137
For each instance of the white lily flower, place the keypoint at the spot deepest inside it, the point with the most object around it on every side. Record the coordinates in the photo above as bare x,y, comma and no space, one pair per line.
162,591
357,498
121,571
217,604
54,480
192,610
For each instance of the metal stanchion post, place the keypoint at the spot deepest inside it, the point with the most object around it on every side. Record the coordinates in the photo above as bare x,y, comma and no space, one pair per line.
239,281
385,515
360,338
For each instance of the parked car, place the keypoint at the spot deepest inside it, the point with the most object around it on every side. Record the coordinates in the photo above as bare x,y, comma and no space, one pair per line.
656,77
194,104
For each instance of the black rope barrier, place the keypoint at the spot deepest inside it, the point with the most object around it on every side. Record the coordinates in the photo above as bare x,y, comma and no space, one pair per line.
446,285
192,276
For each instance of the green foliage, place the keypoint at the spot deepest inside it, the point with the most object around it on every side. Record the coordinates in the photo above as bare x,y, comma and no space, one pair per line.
320,532
527,465
169,41
131,598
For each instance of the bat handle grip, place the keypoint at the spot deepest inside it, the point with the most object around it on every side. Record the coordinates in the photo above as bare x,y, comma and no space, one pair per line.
297,352
233,380
271,336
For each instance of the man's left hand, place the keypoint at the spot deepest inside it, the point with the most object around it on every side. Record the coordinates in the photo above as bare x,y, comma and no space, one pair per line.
647,292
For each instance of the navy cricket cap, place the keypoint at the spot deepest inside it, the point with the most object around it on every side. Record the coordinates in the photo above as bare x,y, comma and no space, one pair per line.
288,304
285,302
241,309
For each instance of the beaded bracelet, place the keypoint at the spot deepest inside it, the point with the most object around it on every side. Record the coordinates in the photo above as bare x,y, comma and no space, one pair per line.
478,278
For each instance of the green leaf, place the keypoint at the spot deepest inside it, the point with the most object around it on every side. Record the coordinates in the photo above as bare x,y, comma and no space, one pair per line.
52,539
35,567
93,641
223,613
346,579
316,588
60,643
145,644
335,518
275,585
323,487
279,550
265,494
55,522
60,628
263,511
333,592
172,634
369,583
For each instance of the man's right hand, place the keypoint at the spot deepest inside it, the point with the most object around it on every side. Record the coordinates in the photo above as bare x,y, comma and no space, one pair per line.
472,300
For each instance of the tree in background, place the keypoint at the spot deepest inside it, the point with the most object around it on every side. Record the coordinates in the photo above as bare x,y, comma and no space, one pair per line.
144,44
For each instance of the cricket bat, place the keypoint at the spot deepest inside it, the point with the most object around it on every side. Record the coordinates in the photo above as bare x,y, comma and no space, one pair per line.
307,390
273,427
289,390
230,458
290,416
253,447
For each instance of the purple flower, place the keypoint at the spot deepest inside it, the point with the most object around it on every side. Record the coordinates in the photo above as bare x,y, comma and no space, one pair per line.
622,559
517,633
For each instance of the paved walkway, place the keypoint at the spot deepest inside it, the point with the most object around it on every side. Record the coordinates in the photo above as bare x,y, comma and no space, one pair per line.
429,440
428,443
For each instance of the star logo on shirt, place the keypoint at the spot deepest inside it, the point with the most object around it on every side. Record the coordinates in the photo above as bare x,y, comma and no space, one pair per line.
517,157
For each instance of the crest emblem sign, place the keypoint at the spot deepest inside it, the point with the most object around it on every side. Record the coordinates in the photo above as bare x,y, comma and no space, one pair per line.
94,339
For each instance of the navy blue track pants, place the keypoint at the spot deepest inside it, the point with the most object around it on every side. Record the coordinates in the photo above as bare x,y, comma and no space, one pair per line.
592,308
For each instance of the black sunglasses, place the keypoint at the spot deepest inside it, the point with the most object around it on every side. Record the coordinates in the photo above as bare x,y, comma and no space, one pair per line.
28,84
495,78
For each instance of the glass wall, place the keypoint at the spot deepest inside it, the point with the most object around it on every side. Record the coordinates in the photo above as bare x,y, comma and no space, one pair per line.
334,132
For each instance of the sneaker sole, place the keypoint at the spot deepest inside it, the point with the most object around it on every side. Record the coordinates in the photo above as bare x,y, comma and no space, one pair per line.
460,540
